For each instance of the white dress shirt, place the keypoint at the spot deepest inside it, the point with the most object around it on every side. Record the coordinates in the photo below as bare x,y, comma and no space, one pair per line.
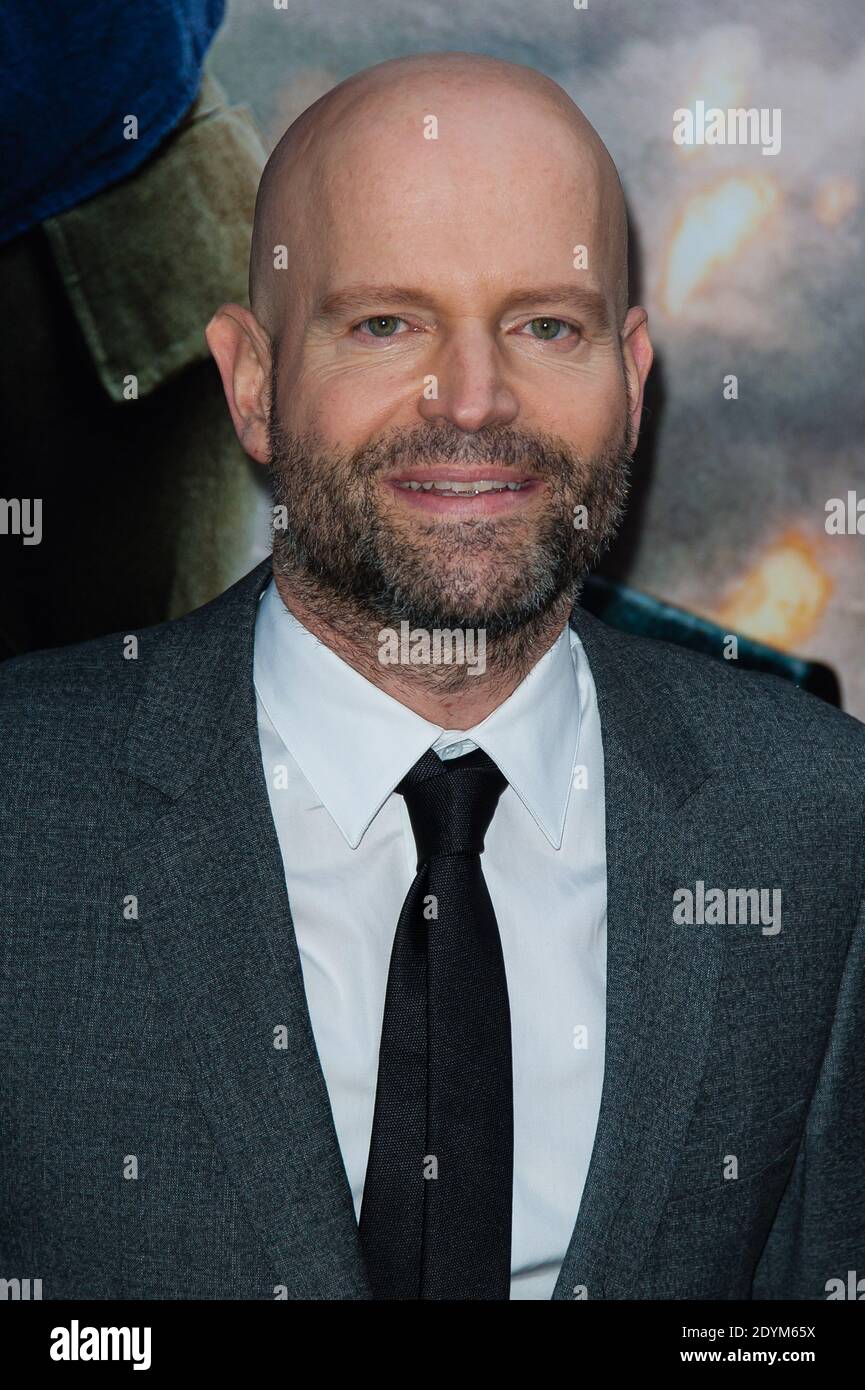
333,747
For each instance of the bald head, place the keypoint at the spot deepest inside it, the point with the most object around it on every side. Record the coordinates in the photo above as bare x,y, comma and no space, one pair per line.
454,136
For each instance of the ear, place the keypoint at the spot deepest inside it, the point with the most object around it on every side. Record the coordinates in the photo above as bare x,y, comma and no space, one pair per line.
637,355
242,352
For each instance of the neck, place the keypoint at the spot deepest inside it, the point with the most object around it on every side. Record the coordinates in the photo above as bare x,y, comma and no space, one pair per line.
453,696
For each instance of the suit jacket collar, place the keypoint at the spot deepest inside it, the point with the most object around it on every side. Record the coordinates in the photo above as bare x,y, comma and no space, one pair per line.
216,925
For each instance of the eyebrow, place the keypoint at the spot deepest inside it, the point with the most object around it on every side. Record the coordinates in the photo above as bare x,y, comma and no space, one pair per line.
589,304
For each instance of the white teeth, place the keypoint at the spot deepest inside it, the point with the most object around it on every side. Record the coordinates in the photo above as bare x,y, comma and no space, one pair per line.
453,488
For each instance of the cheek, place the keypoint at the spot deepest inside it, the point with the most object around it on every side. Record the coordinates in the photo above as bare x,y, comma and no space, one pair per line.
345,408
589,410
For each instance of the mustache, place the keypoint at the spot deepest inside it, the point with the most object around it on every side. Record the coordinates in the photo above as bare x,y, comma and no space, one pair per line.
540,454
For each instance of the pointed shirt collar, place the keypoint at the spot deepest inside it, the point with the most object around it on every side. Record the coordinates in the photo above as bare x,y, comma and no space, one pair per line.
354,743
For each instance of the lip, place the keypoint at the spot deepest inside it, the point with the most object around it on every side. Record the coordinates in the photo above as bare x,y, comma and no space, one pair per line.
491,472
482,504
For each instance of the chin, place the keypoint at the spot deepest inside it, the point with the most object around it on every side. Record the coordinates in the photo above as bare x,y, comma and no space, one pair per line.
474,597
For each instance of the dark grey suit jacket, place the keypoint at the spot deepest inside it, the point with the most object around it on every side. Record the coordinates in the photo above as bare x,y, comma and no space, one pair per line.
157,1144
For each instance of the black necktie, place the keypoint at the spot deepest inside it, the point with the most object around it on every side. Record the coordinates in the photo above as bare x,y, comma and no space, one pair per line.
435,1221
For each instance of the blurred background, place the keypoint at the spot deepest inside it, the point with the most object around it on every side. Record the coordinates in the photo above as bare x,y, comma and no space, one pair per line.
750,266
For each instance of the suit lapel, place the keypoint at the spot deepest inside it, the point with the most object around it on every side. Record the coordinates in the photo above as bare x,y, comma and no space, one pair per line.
217,931
661,978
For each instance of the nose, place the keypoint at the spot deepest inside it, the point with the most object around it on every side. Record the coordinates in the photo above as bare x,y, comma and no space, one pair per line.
470,388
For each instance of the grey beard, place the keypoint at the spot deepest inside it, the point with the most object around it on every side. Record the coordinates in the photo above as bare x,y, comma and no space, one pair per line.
354,570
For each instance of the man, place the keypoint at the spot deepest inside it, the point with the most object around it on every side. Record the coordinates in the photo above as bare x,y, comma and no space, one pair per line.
378,931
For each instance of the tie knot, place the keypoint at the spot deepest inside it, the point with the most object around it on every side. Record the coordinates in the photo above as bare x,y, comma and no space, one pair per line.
451,802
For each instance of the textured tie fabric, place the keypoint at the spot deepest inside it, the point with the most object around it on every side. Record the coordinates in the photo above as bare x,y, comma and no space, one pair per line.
435,1220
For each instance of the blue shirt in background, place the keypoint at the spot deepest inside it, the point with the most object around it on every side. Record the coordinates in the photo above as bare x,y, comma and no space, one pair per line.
69,76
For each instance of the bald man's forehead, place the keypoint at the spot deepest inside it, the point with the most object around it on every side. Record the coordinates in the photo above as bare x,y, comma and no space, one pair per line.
452,163
493,190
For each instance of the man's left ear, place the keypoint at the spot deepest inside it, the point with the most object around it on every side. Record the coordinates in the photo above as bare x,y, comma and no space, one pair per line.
241,350
637,354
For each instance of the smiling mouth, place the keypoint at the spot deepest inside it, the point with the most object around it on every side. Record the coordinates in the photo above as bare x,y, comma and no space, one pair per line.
450,487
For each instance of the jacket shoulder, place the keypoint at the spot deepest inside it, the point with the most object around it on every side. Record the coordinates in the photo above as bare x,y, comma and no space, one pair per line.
68,709
63,689
737,715
74,705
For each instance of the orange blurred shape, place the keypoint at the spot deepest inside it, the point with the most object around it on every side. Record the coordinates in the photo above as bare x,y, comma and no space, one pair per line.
835,199
713,225
781,600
